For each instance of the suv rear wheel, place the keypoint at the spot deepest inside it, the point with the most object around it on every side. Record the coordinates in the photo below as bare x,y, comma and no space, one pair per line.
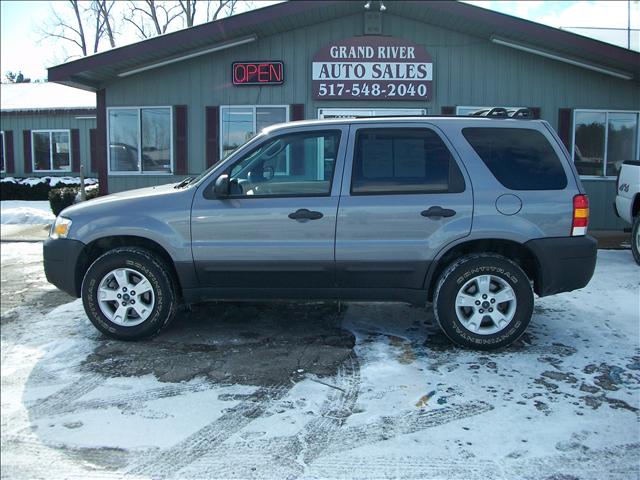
128,294
483,301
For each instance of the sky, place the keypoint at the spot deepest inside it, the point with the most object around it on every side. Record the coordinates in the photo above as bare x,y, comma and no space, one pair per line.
22,47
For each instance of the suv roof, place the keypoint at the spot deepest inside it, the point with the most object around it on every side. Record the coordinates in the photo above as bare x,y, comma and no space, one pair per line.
467,120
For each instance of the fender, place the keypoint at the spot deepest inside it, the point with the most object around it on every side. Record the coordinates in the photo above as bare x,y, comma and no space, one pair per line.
500,240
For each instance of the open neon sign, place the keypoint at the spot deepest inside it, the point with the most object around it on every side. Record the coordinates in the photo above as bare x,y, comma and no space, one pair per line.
258,73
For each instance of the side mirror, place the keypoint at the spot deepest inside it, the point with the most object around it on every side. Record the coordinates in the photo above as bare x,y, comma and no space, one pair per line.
221,187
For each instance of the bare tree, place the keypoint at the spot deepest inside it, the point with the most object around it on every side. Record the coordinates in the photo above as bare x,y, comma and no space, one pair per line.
66,25
104,20
88,25
216,7
188,10
78,23
152,18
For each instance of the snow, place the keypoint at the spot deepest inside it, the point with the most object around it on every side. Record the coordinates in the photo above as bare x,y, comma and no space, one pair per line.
543,409
36,212
53,181
25,212
44,96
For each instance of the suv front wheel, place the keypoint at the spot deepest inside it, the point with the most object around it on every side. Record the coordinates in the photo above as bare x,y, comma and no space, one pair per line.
128,294
483,301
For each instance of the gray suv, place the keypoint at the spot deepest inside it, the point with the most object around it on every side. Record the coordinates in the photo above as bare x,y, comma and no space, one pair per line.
471,214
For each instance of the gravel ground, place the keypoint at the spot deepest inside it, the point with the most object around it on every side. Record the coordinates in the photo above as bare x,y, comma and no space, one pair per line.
294,390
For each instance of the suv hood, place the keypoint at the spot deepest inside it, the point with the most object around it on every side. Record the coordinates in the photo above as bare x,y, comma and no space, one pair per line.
131,197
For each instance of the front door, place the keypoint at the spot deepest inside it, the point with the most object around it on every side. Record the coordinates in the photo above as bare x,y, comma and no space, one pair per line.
276,226
404,197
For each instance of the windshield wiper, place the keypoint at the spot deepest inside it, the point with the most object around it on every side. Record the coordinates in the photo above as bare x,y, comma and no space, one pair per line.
184,182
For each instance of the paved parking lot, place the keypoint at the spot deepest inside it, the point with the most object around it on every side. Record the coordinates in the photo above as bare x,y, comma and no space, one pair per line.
294,390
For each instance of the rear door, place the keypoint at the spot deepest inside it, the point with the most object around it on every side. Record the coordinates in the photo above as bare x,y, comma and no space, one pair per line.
404,197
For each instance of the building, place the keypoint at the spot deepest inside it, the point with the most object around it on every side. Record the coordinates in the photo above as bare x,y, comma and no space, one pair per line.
46,129
171,106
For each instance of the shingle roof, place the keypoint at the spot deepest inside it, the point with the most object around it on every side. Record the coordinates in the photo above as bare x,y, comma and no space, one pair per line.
21,97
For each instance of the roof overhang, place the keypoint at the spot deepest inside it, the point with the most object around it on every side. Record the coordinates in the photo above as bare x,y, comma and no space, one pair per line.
560,58
222,46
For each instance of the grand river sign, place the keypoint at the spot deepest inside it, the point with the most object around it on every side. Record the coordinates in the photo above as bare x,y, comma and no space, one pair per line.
372,68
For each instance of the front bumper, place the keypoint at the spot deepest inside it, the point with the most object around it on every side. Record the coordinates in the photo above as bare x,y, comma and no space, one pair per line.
61,257
565,263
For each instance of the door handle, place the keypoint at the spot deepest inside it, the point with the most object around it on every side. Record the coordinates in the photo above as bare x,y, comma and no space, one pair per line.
437,213
304,214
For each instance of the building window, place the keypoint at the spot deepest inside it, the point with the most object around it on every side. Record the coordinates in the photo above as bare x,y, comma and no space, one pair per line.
238,124
50,150
140,140
3,155
602,140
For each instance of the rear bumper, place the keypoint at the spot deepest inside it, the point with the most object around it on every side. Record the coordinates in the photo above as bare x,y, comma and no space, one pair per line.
61,256
565,263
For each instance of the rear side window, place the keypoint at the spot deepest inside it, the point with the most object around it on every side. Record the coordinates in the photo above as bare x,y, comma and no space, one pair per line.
396,160
521,159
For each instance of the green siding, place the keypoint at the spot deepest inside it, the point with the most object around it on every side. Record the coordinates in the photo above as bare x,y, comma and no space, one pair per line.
17,122
468,70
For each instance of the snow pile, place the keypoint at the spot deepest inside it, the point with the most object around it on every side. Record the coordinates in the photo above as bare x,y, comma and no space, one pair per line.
23,212
53,181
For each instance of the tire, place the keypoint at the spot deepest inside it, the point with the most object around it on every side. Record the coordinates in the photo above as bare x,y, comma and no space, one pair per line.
635,239
493,323
110,282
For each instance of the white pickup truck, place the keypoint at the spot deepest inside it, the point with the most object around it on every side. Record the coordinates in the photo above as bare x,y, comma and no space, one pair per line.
627,204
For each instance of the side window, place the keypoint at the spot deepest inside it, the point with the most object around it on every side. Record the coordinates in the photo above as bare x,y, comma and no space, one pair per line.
400,160
519,158
299,164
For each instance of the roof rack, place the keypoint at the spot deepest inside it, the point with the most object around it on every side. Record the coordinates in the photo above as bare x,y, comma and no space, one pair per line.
501,112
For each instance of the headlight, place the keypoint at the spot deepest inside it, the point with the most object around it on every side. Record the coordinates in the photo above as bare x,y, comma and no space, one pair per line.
60,228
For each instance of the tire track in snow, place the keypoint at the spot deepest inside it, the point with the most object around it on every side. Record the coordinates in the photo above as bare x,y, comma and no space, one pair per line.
167,462
25,456
388,427
619,462
287,457
407,467
129,399
62,399
318,434
276,458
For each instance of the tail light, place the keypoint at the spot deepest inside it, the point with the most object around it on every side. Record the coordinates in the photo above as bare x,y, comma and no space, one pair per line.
580,215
